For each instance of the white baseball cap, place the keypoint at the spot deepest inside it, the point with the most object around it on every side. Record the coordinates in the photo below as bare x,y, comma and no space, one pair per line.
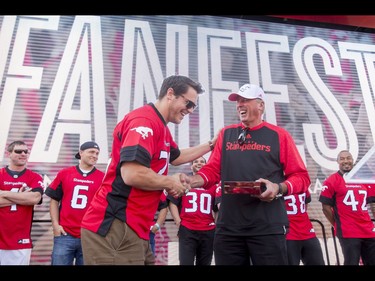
248,91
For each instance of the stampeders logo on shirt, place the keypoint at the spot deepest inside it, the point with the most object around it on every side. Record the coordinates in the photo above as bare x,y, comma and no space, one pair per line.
353,186
13,183
248,146
83,181
143,131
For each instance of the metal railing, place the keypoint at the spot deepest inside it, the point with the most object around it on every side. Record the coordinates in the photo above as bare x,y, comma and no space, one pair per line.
324,239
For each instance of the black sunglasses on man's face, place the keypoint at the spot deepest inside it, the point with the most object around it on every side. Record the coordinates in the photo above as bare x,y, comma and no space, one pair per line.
19,151
189,104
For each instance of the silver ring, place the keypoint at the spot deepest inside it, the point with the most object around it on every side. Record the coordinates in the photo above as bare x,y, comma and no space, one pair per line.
186,191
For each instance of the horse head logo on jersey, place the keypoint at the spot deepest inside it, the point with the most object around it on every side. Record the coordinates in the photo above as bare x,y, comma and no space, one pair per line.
143,131
324,187
41,184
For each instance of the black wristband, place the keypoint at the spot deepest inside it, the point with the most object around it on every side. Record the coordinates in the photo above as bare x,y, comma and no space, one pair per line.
280,194
280,189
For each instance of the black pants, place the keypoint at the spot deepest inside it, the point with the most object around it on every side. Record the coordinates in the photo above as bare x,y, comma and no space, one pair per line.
247,250
308,251
195,245
355,248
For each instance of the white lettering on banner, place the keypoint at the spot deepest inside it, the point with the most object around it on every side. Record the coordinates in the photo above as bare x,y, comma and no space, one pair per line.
364,58
317,187
80,76
9,94
210,61
73,75
266,44
303,55
140,53
214,40
18,75
177,39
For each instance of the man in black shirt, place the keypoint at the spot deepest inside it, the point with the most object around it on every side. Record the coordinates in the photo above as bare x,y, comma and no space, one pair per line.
251,228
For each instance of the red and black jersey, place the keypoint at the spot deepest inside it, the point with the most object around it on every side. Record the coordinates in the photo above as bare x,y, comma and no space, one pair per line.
300,226
163,203
74,190
217,197
349,202
16,220
196,207
268,152
142,136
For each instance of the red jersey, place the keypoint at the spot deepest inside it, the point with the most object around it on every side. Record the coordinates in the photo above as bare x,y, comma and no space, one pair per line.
349,203
16,220
163,203
74,190
195,208
142,136
300,226
217,196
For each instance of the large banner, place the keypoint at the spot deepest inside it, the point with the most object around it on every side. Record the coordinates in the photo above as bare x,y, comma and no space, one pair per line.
69,79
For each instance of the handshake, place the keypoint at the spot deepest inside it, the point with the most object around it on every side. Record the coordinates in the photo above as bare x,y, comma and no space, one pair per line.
180,185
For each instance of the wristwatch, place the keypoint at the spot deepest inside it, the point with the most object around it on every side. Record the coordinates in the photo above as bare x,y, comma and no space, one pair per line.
156,225
280,194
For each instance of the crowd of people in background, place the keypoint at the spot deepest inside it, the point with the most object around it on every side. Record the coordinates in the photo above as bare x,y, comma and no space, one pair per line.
112,218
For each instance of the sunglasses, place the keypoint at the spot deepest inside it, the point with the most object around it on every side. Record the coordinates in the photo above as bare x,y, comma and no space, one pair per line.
189,104
242,137
19,151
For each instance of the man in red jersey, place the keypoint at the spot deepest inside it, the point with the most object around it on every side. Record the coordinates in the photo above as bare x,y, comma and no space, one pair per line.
345,207
71,192
20,190
301,240
194,217
116,227
251,229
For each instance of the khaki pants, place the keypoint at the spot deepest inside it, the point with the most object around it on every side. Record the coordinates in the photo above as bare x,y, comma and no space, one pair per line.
121,246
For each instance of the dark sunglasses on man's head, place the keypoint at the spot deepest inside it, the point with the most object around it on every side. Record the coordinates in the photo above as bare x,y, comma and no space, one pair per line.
19,151
189,104
242,137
